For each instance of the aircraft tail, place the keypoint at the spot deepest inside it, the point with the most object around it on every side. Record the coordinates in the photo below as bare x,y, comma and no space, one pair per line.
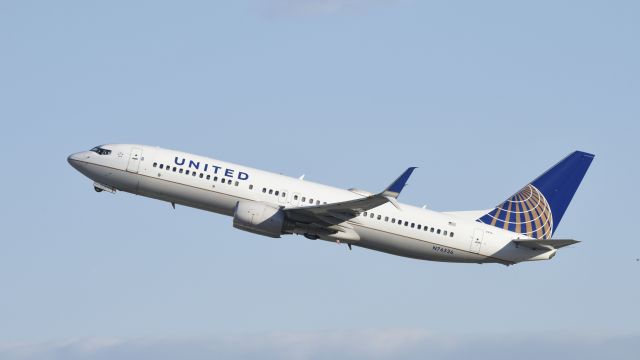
537,209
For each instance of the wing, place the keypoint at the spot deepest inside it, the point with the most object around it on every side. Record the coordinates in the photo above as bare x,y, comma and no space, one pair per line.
336,213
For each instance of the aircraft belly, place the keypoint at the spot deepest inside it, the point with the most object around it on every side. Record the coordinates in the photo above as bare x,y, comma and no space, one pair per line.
119,179
186,195
414,248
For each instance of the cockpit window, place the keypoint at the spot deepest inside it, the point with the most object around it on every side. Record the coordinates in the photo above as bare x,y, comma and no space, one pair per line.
101,151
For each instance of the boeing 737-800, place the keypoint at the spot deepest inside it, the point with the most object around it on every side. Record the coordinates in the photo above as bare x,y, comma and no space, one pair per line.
518,229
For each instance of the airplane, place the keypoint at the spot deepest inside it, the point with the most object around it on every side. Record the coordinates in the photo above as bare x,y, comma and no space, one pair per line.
519,229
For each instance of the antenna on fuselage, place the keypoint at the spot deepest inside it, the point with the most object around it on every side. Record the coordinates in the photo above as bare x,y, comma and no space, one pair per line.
301,177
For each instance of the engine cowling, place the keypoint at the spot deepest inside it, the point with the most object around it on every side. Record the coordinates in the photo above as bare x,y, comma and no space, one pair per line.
259,218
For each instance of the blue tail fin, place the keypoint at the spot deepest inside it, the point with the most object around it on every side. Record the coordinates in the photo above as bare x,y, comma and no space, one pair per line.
537,209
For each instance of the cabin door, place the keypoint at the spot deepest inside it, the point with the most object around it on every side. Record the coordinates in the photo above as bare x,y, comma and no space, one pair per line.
134,160
476,241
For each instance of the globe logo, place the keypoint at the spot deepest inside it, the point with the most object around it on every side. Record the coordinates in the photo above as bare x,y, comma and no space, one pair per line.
527,212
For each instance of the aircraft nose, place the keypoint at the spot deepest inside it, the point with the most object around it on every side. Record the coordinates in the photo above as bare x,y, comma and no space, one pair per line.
74,160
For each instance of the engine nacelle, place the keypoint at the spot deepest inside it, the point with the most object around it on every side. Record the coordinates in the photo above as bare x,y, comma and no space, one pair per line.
259,218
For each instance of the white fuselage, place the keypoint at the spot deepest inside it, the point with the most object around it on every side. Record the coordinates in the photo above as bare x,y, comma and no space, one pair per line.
217,186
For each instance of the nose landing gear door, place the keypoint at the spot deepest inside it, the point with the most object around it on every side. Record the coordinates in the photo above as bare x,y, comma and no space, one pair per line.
134,160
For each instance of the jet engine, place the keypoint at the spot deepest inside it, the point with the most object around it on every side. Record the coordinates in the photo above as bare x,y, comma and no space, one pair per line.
259,218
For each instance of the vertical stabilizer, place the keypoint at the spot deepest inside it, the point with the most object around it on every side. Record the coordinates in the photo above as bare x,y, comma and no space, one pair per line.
536,210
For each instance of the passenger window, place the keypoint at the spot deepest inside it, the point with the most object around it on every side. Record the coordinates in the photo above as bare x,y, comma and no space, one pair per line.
277,193
181,171
438,232
386,218
155,164
304,199
186,172
222,180
161,166
284,194
295,197
444,233
270,191
379,217
393,220
201,175
365,214
406,223
215,178
419,227
426,228
431,229
371,215
237,183
193,173
413,225
317,202
310,201
208,177
451,234
325,203
251,187
174,169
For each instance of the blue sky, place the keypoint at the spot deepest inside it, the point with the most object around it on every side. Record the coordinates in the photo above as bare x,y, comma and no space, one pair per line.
481,96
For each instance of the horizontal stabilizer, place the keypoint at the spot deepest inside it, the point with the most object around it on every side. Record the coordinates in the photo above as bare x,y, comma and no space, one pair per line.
545,244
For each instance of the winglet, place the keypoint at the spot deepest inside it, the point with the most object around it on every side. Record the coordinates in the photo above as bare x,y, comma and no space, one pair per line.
396,187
